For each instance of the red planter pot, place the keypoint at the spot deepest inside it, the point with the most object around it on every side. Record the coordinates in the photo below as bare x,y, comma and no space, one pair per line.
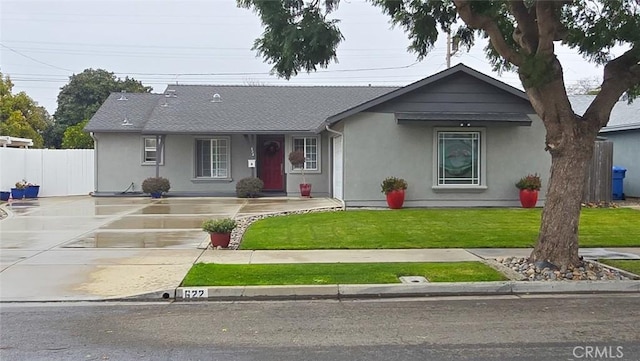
220,239
305,189
395,199
528,198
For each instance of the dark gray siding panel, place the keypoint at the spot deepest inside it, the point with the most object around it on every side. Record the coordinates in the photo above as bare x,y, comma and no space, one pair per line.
457,93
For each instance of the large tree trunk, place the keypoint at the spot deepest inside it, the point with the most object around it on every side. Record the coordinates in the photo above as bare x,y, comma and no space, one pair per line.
558,238
570,141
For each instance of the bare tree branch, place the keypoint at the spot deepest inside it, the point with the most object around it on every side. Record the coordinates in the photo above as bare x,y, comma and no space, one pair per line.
490,26
545,11
526,33
620,74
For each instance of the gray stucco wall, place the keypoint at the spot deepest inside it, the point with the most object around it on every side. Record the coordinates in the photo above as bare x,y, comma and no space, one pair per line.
376,147
119,163
626,151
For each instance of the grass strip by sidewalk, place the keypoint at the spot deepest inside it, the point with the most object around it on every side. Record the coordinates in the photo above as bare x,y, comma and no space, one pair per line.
632,266
434,228
209,274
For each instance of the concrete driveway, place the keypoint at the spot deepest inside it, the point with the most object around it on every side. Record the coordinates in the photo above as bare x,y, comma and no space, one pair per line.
83,248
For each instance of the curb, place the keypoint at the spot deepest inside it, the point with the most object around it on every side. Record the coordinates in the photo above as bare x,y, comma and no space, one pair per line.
247,293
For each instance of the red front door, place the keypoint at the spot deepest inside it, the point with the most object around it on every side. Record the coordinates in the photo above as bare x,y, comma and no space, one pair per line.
271,162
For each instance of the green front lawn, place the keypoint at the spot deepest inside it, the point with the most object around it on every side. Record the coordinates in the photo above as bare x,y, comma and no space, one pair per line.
434,228
632,266
209,274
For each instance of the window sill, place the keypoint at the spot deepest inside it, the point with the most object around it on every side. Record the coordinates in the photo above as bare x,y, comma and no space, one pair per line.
295,171
211,180
460,189
151,164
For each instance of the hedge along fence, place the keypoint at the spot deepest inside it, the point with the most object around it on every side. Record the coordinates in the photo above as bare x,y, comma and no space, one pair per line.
59,172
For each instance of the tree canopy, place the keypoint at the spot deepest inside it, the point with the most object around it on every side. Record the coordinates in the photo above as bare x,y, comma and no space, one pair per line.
523,34
76,138
84,94
21,116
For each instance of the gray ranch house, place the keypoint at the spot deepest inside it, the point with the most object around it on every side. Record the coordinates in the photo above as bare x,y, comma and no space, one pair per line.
458,137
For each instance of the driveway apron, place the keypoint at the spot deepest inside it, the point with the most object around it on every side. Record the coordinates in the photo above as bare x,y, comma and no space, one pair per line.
84,248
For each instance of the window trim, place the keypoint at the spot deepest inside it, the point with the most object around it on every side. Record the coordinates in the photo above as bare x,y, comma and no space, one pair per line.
195,159
316,170
144,150
482,159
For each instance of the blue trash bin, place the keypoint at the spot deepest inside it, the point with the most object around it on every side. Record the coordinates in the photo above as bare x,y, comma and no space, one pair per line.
616,184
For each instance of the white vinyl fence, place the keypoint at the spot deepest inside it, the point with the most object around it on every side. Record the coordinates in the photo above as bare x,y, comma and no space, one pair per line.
58,172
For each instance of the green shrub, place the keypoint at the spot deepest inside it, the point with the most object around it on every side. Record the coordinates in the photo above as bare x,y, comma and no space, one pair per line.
530,182
393,184
224,225
249,187
156,185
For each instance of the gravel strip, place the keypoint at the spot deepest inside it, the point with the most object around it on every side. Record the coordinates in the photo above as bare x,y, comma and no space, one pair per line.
545,271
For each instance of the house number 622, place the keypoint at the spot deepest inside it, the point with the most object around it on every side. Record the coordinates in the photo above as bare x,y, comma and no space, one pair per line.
195,293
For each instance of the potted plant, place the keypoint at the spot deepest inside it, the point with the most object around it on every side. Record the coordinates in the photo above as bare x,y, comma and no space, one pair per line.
529,187
156,186
394,189
31,191
219,231
297,160
18,191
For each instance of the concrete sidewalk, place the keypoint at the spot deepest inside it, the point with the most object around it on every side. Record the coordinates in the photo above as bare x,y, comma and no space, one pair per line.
392,255
337,256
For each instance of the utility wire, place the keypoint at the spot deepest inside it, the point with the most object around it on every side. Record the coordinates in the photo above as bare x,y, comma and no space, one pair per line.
34,59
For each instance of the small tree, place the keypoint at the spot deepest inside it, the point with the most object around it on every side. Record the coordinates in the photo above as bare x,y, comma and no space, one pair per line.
297,160
76,138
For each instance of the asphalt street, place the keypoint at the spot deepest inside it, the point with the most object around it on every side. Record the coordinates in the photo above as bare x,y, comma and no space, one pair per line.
454,328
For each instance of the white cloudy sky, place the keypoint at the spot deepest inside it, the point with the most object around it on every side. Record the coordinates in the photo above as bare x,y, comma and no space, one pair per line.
43,42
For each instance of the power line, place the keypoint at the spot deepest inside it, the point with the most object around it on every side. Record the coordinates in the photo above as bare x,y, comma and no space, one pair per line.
139,46
34,59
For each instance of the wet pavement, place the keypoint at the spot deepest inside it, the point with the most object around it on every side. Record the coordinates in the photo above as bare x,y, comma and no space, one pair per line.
84,248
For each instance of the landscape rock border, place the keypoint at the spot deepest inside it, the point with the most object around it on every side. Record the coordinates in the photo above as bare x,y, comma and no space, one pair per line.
243,223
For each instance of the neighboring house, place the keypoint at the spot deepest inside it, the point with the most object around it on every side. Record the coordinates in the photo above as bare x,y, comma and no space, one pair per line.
14,142
459,138
623,130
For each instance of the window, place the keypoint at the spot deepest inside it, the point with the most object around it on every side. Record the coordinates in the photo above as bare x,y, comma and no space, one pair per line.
458,158
149,155
212,158
309,145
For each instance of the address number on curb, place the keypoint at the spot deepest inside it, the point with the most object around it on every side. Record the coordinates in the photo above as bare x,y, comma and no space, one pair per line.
195,293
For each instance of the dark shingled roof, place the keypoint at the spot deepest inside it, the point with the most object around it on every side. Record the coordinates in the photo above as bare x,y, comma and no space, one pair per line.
256,109
111,115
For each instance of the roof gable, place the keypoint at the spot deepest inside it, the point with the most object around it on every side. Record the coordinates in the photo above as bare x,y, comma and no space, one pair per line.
441,89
